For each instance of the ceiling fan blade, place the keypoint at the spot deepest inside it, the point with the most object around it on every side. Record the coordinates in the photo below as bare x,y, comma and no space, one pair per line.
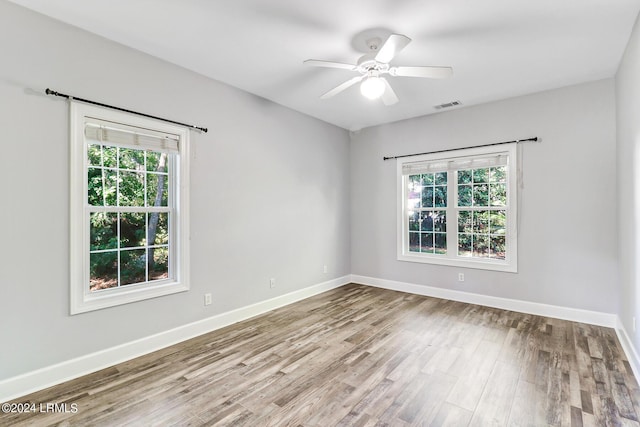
394,44
336,90
330,64
389,97
429,72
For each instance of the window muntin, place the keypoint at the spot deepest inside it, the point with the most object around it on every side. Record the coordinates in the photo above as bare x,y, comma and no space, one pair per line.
482,218
128,246
129,208
475,192
427,196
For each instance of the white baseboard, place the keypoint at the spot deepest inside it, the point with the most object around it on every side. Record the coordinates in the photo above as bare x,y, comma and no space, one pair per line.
565,313
30,382
629,349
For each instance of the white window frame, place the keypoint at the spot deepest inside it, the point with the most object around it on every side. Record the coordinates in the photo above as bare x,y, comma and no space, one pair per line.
82,299
451,258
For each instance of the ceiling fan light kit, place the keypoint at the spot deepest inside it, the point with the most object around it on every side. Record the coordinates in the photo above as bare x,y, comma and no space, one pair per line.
372,87
373,65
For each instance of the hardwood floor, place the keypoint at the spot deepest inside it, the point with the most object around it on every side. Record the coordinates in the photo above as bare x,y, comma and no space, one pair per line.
361,356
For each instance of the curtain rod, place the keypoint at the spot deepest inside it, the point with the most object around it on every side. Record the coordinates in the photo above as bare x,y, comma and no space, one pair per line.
70,97
534,139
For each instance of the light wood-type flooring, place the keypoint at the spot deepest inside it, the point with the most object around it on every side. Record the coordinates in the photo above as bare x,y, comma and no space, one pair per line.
362,356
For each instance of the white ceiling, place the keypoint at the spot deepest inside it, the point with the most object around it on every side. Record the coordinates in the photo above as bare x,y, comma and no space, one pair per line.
497,48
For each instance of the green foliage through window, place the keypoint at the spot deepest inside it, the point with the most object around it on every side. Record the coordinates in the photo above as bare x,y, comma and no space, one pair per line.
427,224
482,228
127,246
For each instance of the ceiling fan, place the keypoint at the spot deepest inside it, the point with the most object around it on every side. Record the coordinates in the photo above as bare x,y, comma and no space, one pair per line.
375,64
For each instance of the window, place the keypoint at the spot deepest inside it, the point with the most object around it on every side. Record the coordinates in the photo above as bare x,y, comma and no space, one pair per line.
129,208
459,211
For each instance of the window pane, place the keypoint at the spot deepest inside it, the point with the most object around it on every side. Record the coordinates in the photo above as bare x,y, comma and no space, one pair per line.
94,187
440,194
110,156
131,189
498,194
498,174
465,221
498,247
480,195
480,245
480,175
153,158
440,221
103,270
440,243
427,179
414,242
158,228
464,195
157,182
426,221
481,222
426,243
414,181
159,268
464,244
103,231
101,187
110,187
464,177
133,267
131,159
427,197
157,162
132,230
497,222
413,201
94,154
414,191
441,178
414,221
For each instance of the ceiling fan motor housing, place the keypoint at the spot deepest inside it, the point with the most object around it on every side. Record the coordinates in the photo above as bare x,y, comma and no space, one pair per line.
367,63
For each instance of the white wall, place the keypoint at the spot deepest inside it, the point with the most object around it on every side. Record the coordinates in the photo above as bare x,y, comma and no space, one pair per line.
270,191
567,240
628,181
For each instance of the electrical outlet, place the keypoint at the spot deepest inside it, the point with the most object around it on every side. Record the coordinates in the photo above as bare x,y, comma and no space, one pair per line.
272,283
207,299
324,269
460,277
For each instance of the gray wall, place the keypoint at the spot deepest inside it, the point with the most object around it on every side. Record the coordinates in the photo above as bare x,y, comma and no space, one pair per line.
567,237
270,192
628,115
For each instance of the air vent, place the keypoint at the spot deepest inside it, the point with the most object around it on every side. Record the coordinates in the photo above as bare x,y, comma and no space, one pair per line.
448,105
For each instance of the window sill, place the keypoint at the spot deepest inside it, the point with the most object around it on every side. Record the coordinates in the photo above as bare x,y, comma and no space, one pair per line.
509,267
105,299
